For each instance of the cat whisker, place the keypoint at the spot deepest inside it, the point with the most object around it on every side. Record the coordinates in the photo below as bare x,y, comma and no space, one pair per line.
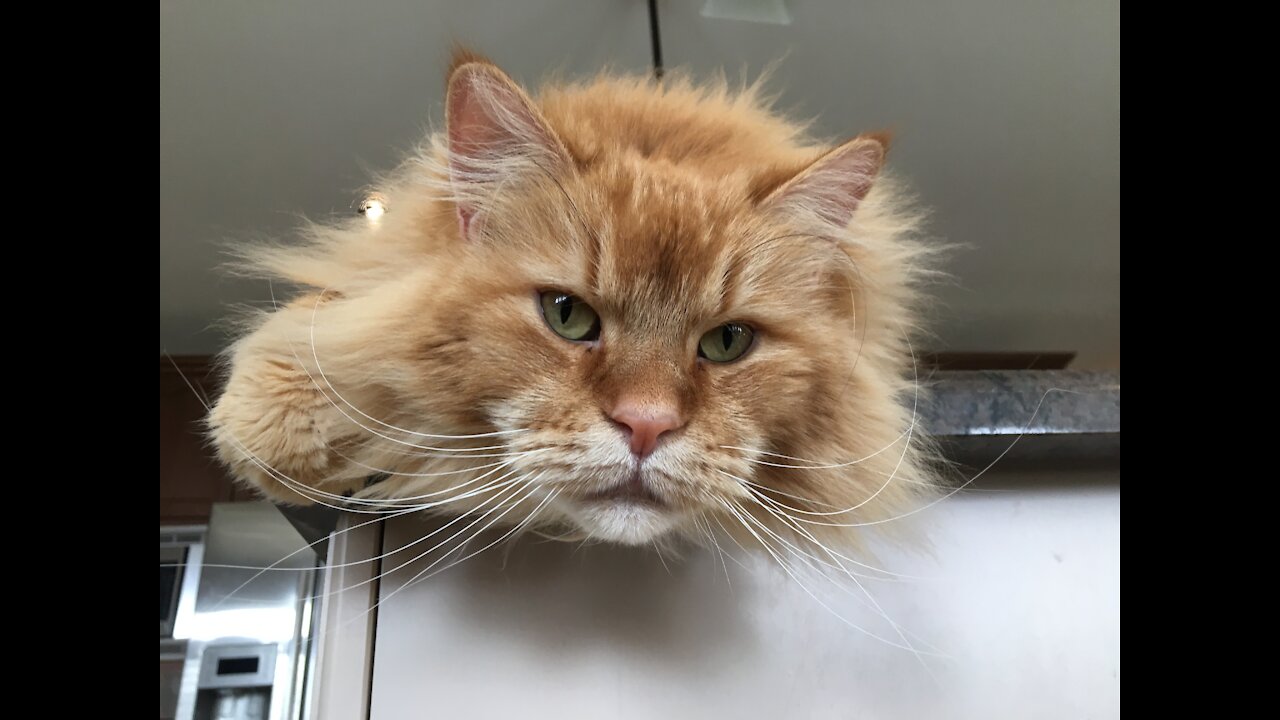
454,487
275,565
658,551
816,465
861,504
893,577
511,457
309,493
947,495
787,569
520,528
522,484
915,415
571,536
357,423
586,538
288,482
776,491
531,483
501,451
705,528
802,555
808,560
793,524
870,601
492,485
313,494
488,487
319,368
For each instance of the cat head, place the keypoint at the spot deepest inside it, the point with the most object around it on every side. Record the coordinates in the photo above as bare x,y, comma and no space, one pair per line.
636,302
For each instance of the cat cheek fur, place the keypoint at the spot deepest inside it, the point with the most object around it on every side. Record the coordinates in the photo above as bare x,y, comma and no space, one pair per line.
670,210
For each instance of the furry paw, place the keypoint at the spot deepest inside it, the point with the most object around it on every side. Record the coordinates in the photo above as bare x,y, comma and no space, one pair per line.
274,422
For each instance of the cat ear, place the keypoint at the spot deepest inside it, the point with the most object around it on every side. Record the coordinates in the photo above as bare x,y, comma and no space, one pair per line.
835,184
495,133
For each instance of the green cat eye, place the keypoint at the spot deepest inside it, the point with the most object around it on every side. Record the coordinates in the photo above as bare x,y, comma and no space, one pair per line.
571,318
725,343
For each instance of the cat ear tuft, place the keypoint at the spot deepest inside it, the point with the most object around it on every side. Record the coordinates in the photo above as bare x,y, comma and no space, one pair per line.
495,134
833,186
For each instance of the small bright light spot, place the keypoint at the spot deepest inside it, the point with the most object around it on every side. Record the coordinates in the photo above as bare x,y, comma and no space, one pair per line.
373,208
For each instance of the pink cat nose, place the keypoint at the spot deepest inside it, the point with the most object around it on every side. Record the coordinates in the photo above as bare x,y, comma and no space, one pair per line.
645,424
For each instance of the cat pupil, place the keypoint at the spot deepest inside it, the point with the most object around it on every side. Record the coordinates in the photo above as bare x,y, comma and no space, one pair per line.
566,309
727,336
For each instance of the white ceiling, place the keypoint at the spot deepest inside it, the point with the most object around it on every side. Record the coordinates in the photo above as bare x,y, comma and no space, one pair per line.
1007,116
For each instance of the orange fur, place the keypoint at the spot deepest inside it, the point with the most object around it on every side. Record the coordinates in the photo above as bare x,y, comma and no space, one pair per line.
670,210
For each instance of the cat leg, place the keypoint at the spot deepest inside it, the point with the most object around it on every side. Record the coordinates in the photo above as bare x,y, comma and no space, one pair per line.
274,420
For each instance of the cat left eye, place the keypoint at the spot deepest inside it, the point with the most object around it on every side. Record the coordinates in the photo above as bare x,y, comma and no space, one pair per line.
569,317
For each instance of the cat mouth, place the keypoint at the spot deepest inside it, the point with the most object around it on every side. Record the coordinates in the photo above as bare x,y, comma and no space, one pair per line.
634,491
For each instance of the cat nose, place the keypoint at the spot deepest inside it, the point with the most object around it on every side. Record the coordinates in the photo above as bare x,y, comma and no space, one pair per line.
645,424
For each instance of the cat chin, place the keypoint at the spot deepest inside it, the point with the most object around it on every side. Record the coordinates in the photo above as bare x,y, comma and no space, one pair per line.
623,522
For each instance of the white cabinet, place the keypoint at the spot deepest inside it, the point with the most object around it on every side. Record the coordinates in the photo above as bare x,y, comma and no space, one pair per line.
1021,596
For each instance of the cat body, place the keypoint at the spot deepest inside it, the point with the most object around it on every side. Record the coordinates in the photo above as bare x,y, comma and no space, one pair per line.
621,310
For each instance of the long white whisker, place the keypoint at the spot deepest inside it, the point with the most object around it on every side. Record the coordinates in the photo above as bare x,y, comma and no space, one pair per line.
308,546
776,491
445,541
806,590
313,493
874,605
816,465
396,473
915,416
298,488
453,488
365,415
958,488
514,491
836,556
523,524
892,576
792,521
710,535
495,485
806,558
284,479
362,426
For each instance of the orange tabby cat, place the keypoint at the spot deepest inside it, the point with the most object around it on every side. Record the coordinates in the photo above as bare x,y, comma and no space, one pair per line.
634,310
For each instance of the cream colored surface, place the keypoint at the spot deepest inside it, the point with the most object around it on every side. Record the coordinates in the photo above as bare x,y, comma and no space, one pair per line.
1023,595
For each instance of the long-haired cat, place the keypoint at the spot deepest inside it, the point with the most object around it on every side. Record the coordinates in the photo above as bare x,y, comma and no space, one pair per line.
625,310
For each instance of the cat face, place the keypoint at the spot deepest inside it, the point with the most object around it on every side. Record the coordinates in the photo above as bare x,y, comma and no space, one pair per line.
604,284
630,416
637,294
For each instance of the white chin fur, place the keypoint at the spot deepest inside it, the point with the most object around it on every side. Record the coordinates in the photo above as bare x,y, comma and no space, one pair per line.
622,522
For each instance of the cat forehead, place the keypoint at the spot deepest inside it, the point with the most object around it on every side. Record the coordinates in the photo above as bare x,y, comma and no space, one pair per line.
639,237
669,236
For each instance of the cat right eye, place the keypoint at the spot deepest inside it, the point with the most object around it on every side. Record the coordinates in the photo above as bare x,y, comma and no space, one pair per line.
569,317
726,343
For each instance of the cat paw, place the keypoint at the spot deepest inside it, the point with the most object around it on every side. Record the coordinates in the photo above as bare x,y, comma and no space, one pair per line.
275,429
